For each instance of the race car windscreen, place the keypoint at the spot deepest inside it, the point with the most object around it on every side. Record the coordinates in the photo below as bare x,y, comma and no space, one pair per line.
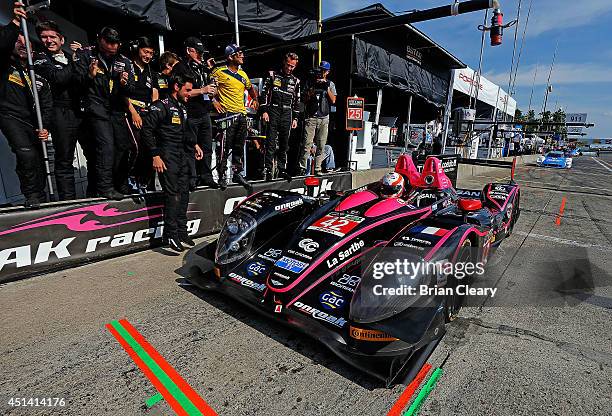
236,238
555,154
389,284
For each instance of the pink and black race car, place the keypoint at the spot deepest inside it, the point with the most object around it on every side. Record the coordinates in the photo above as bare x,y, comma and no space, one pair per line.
332,266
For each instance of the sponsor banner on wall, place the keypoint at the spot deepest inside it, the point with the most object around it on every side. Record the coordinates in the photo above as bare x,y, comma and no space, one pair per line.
69,234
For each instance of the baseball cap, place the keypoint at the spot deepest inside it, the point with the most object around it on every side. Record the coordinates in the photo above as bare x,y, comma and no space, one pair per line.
231,49
110,35
325,65
195,43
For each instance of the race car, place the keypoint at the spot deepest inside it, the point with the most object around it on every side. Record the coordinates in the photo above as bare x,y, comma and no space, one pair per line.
311,263
555,159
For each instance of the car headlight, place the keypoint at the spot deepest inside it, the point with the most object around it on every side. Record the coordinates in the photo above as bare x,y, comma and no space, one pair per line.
540,159
379,297
236,238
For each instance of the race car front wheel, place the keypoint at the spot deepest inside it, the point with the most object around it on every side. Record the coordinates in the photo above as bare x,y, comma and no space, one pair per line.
454,301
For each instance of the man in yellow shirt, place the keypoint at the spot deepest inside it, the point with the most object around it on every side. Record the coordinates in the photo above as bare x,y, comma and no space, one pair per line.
232,82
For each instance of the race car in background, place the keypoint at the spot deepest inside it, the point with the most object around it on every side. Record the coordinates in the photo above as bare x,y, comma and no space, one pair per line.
555,159
308,262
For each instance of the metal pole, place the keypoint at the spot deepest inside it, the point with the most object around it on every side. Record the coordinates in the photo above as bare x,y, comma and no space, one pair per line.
379,95
24,28
518,21
236,22
449,108
408,121
320,27
535,74
160,41
494,120
477,78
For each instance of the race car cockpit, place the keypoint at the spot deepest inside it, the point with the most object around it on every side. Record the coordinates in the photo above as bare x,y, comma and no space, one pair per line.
431,186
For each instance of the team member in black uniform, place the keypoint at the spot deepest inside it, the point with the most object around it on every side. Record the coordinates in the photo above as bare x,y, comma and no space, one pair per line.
145,92
199,107
280,108
167,61
108,80
55,66
17,111
165,132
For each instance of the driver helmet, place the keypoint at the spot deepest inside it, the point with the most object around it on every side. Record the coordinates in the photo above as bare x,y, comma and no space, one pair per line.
392,185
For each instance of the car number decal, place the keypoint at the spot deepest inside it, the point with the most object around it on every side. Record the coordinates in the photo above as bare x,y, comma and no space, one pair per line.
334,225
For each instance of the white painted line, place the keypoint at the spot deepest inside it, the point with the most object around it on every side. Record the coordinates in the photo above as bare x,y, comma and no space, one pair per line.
605,163
609,170
563,241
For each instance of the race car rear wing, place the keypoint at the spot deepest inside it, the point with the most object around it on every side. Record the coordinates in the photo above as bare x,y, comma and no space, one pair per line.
492,163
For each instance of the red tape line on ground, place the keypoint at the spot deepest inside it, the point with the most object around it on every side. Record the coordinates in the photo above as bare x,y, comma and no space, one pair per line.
147,372
561,211
171,372
403,400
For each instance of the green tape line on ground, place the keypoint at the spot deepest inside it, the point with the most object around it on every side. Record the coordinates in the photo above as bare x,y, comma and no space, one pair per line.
418,402
153,400
161,375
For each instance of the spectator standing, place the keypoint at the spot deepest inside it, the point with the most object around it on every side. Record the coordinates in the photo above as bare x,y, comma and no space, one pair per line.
171,146
199,107
232,82
167,61
320,94
108,80
280,101
139,101
17,110
56,67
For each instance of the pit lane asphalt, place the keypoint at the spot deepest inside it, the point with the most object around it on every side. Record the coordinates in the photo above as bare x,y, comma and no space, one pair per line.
517,353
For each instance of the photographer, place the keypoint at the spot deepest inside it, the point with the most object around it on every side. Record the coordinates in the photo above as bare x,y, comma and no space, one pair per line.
108,80
17,110
320,95
199,107
55,66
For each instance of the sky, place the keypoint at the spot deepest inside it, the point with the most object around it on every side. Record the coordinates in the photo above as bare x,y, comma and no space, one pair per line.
582,76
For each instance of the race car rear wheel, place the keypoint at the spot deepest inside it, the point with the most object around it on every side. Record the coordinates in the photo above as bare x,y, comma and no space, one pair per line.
515,213
453,302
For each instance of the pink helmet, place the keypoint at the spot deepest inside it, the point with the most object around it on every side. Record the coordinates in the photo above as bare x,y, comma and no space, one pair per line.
392,185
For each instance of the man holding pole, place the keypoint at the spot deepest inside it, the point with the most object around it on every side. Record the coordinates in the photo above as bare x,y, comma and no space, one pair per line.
18,119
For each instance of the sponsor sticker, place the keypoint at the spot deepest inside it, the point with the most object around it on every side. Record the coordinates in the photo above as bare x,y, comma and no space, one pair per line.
289,205
332,300
320,315
346,282
343,255
292,265
370,335
271,254
336,225
260,287
256,268
308,245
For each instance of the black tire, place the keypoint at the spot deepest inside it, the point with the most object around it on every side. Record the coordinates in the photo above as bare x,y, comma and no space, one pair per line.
515,213
452,303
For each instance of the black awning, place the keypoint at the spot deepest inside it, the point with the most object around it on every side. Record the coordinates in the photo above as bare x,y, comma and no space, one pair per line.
380,67
150,12
282,20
